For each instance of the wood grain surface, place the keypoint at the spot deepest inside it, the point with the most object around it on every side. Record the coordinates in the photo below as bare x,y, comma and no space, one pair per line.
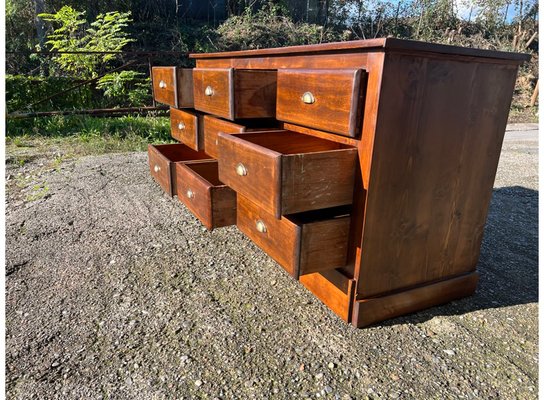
178,89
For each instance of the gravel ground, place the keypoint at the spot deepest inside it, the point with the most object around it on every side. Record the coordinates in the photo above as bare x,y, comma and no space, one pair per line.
114,290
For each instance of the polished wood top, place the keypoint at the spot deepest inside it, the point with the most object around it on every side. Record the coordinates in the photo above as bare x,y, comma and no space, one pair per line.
381,44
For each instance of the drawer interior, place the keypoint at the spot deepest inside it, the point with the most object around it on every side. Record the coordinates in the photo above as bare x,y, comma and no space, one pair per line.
179,152
289,142
207,171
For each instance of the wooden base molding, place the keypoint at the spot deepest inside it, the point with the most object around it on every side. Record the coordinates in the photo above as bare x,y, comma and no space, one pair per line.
370,311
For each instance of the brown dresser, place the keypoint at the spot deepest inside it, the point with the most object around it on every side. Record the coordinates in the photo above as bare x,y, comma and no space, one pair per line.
365,168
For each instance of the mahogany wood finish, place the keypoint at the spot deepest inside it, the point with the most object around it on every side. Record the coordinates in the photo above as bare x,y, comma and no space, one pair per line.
301,244
162,160
286,172
186,127
199,188
173,86
329,99
411,152
235,94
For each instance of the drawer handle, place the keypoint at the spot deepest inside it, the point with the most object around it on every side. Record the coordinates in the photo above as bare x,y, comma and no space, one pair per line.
181,126
190,194
162,84
308,98
208,91
157,168
241,169
261,227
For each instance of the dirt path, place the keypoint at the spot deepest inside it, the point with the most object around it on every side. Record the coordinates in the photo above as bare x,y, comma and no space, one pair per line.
115,291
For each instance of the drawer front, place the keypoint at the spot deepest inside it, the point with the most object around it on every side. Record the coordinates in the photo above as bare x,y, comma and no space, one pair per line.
279,238
301,244
160,169
198,187
211,129
184,126
213,91
330,100
250,170
173,86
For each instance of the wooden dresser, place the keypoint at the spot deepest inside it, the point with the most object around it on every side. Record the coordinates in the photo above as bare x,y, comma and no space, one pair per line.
365,168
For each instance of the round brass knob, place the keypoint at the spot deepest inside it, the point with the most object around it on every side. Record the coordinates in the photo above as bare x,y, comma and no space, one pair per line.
190,194
157,168
308,98
208,91
261,227
162,84
241,169
181,126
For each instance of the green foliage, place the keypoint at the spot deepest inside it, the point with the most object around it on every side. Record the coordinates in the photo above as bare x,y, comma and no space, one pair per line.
106,33
126,88
269,27
23,90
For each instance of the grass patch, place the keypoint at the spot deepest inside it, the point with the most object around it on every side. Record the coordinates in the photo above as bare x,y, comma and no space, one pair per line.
85,135
38,192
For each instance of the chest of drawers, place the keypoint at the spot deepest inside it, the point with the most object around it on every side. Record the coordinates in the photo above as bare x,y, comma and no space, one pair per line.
365,169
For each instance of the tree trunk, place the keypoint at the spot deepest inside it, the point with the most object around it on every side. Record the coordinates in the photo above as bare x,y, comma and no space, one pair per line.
39,7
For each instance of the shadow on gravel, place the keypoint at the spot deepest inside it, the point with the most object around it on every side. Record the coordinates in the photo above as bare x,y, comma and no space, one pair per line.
508,264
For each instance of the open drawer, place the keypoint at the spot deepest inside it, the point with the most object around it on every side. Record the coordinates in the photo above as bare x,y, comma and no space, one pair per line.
303,243
199,188
213,125
173,86
287,172
235,93
162,159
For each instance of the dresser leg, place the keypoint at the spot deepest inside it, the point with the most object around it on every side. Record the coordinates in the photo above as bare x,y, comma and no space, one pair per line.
370,311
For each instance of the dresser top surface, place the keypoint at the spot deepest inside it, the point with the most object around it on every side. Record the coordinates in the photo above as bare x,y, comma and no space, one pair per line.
381,44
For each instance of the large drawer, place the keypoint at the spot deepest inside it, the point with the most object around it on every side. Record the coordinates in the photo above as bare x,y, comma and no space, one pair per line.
235,94
173,86
186,126
330,100
199,188
287,172
162,159
303,243
212,126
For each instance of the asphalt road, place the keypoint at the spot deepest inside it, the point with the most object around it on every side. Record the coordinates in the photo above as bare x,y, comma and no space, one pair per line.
114,290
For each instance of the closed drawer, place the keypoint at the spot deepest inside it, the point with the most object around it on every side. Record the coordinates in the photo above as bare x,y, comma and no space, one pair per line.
162,159
303,243
199,188
286,172
235,94
173,86
212,126
186,126
330,100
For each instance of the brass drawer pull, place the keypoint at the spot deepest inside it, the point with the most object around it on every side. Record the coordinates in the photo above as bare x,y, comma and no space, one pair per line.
181,126
208,91
261,227
162,84
241,169
308,98
157,168
190,194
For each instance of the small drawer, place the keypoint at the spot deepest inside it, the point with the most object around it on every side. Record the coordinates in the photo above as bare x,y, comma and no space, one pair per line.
330,100
212,127
199,188
235,94
287,172
173,86
186,126
162,159
302,243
